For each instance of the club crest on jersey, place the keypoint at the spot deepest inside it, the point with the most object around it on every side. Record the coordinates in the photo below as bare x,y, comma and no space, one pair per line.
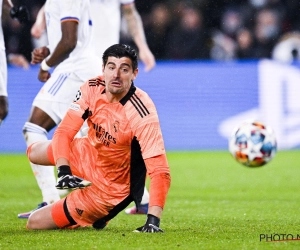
78,95
116,126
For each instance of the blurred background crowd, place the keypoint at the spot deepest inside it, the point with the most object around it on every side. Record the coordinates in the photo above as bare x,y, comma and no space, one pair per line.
198,29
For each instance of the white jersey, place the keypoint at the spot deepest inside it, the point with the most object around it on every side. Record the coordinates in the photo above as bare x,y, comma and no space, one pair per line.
82,60
106,19
1,31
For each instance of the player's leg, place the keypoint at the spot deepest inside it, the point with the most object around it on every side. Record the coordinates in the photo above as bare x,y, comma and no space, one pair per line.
38,153
36,130
65,213
41,219
52,216
142,207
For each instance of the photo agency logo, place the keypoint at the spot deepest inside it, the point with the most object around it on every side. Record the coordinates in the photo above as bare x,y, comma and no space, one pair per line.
278,237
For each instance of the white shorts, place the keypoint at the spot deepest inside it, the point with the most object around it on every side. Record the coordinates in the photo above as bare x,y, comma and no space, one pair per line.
57,94
3,73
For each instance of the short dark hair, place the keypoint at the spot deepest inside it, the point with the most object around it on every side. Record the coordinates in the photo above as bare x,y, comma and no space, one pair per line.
121,50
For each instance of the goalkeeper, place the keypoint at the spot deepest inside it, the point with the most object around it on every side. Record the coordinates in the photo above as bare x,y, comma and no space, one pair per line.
107,168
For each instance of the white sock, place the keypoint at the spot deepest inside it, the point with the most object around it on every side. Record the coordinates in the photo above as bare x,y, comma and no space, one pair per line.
145,198
44,175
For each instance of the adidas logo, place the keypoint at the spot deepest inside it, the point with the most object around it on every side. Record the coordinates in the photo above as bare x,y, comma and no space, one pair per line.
79,211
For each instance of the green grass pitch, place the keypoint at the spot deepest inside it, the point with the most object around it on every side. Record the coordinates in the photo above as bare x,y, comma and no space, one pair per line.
213,203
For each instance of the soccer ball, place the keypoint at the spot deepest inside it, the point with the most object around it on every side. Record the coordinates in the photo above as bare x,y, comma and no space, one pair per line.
253,144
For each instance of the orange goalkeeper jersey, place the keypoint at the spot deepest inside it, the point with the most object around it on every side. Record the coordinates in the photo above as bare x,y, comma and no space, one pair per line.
126,141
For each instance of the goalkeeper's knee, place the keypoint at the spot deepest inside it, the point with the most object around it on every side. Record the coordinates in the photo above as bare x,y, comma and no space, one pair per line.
38,153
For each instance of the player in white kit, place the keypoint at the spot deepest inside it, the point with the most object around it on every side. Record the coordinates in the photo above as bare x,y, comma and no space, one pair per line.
22,15
70,53
106,18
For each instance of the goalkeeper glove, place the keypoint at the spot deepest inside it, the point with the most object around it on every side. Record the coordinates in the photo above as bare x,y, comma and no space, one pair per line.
151,225
20,13
68,181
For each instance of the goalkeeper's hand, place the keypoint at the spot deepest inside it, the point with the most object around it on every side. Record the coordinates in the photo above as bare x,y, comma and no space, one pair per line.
151,225
68,181
20,13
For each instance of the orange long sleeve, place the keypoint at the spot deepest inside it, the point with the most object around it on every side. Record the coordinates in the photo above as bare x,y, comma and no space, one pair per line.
160,179
65,133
